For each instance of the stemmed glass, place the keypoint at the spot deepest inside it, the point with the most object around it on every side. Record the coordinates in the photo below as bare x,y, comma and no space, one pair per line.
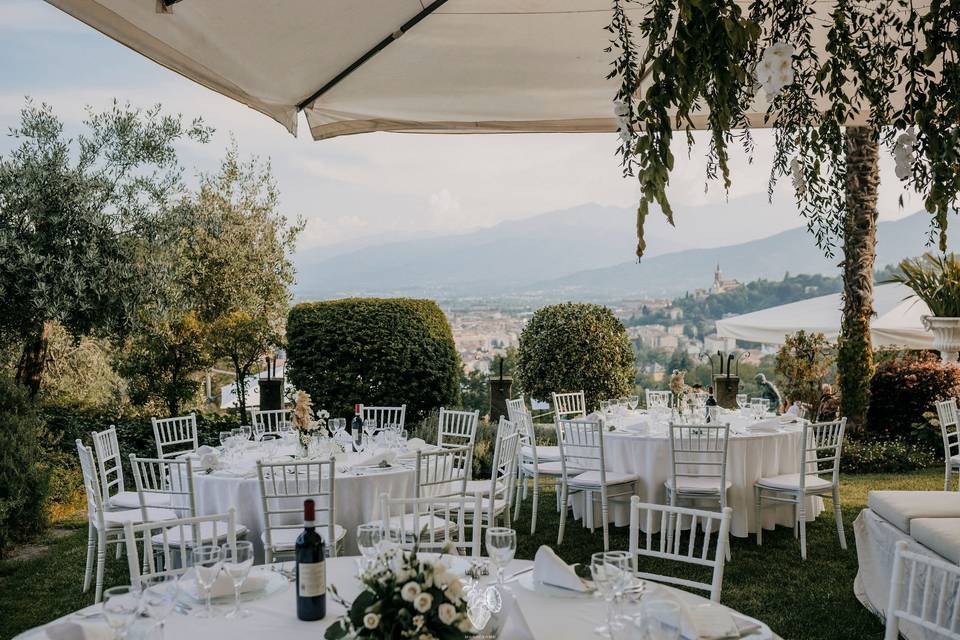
501,547
225,441
246,431
121,605
610,571
160,595
369,540
237,561
742,400
660,619
632,402
207,562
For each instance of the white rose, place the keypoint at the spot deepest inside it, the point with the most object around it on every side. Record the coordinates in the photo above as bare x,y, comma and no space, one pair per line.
410,591
418,622
423,602
403,575
447,613
455,589
442,579
371,621
902,171
209,462
425,636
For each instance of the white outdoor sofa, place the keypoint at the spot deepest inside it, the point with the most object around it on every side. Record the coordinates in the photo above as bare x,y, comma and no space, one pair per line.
929,521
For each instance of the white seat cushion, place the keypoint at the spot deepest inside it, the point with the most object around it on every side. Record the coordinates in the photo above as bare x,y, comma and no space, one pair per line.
544,468
544,454
708,486
439,524
286,539
592,479
116,519
499,504
955,460
791,482
481,486
940,535
131,500
206,533
900,507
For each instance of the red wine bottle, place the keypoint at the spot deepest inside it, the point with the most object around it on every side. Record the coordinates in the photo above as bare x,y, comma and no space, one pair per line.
357,425
311,571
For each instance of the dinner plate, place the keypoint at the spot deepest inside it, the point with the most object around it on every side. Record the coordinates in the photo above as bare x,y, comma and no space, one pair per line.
275,583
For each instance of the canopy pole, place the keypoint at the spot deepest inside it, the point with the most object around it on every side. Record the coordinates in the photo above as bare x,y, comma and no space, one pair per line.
380,46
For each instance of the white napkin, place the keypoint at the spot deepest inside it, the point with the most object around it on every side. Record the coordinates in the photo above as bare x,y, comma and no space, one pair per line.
79,630
710,621
209,461
641,425
417,444
596,416
223,586
764,426
204,450
389,457
549,568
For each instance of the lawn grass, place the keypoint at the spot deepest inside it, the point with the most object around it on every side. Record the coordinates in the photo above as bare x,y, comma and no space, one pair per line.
811,600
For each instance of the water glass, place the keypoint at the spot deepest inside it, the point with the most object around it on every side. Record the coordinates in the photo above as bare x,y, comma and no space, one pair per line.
224,439
159,597
369,540
742,400
246,431
121,605
660,619
207,562
501,547
611,575
237,561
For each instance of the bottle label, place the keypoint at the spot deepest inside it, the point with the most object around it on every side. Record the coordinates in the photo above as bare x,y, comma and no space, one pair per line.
313,579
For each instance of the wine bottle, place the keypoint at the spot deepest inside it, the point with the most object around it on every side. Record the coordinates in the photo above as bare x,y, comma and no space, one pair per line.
311,571
357,425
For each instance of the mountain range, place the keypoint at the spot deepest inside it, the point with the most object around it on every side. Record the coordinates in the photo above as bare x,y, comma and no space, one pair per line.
584,253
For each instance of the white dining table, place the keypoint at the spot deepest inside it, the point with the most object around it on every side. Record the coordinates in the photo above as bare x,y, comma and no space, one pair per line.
536,614
639,444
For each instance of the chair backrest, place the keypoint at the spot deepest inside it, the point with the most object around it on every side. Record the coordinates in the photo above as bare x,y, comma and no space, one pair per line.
923,592
581,447
270,421
385,415
820,450
443,472
175,435
91,483
457,428
699,451
165,477
947,414
697,549
569,405
504,471
655,397
107,448
514,407
437,525
167,545
283,488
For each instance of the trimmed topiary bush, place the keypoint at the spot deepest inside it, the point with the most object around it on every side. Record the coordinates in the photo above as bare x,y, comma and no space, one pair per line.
574,346
906,387
378,351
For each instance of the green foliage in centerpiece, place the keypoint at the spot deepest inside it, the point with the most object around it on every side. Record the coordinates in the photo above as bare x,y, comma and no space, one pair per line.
405,596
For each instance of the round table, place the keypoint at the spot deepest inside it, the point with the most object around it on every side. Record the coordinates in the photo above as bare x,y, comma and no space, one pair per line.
756,449
541,616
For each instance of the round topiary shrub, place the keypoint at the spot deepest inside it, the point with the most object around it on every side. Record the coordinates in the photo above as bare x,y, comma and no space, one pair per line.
904,388
378,351
574,346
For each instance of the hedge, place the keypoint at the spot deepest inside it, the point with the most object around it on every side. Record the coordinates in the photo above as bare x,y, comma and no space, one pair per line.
377,351
906,387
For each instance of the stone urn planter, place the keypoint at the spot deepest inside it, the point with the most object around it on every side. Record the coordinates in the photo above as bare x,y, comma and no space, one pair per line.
946,336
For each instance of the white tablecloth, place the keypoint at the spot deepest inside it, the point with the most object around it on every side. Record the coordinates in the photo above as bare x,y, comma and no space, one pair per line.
641,446
542,617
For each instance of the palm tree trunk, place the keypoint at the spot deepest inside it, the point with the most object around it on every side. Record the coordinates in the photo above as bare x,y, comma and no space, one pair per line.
855,353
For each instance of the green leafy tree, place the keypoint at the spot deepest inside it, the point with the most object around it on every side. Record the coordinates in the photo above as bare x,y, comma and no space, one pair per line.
475,392
803,364
243,339
83,222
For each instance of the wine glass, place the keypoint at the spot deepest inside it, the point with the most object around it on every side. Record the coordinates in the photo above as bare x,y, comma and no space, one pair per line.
206,567
632,402
742,400
121,605
609,570
224,441
237,561
160,595
501,547
246,431
660,619
369,540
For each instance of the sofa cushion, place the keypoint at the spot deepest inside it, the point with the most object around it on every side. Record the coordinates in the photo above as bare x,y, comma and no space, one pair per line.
900,507
940,535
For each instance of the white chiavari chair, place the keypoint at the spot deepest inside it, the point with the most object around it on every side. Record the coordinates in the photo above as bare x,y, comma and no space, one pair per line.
272,421
583,470
434,525
947,415
655,398
165,549
531,466
697,550
115,494
283,488
820,450
924,593
514,407
497,492
457,428
385,415
443,472
105,527
175,436
571,405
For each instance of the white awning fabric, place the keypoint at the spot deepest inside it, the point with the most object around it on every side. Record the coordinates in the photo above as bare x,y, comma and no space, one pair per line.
447,66
898,322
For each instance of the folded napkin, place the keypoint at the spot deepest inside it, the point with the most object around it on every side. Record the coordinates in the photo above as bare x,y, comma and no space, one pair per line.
711,621
204,450
641,425
79,630
390,457
596,416
417,444
764,426
223,585
209,461
549,568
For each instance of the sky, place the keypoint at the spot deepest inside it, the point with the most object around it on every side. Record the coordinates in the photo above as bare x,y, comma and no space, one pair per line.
366,189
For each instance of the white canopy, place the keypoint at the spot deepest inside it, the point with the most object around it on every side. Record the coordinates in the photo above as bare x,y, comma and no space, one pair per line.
897,324
460,66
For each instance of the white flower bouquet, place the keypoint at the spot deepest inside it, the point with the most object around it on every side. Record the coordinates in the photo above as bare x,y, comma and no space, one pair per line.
405,596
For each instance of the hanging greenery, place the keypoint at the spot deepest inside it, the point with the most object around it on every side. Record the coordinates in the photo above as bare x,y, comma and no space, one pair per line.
806,68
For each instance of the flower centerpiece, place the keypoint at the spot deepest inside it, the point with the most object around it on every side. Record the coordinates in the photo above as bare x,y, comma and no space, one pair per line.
306,426
680,389
405,596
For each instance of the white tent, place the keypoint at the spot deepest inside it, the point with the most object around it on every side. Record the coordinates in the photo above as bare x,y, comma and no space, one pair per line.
898,321
461,66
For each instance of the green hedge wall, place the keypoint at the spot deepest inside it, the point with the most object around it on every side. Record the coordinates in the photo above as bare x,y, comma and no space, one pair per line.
378,351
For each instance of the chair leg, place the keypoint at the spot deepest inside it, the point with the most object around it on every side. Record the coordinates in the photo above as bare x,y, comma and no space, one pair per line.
588,510
802,519
521,481
101,559
91,547
946,476
563,512
723,505
839,516
536,503
756,512
672,520
603,514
